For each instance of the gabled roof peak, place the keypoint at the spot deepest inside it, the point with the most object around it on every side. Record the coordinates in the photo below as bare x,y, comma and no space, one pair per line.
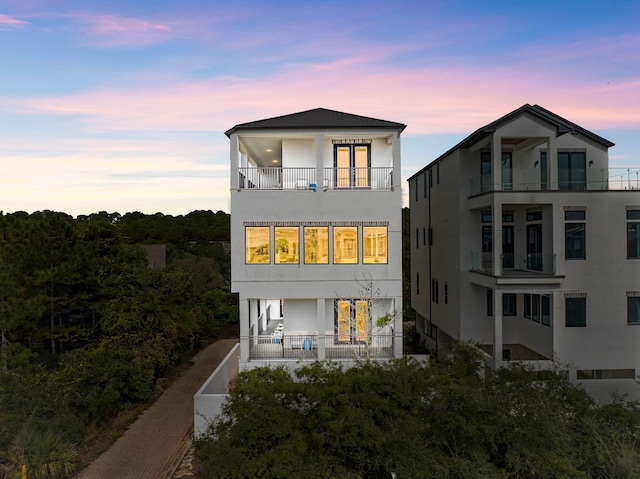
317,118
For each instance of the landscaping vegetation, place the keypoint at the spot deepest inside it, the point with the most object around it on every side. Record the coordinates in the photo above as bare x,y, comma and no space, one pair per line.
440,421
89,333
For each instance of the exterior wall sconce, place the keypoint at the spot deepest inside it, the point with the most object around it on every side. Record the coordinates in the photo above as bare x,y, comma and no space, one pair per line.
590,162
536,163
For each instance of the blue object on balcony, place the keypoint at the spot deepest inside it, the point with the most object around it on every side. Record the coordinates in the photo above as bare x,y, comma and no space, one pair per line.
306,344
312,186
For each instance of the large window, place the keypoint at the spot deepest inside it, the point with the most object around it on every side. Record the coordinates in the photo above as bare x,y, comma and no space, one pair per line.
574,235
576,312
375,244
345,244
572,170
316,244
633,234
257,244
633,309
287,245
352,164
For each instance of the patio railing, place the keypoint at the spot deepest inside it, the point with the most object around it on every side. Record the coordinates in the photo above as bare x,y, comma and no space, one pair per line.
276,178
301,346
576,180
515,264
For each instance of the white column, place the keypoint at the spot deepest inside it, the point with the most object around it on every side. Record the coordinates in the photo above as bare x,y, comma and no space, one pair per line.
496,216
497,328
245,321
320,327
396,162
233,155
397,327
552,162
319,162
496,162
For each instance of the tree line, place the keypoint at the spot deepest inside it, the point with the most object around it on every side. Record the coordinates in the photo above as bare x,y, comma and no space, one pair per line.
88,331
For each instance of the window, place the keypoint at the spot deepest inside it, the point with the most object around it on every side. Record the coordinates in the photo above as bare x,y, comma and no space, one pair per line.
487,236
345,244
434,290
417,283
424,236
537,307
572,171
574,235
509,304
287,245
633,309
417,192
446,293
576,312
352,166
352,317
424,186
438,174
430,178
417,238
375,244
257,244
489,302
633,234
316,245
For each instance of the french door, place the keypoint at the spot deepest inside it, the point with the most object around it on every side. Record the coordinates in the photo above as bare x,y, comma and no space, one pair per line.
351,321
352,166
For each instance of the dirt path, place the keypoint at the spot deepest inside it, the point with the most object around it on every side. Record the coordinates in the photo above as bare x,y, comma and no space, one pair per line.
152,443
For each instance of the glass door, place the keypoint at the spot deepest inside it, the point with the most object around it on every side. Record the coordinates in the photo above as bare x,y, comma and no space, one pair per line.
534,247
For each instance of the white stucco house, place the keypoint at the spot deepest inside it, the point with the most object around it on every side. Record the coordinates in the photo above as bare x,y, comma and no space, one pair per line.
316,220
524,241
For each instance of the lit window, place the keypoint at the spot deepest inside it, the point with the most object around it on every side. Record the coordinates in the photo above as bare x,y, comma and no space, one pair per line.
287,245
316,245
345,244
375,244
352,320
257,244
352,166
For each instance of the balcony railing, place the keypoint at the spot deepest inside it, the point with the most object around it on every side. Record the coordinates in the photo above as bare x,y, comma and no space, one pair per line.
568,180
515,264
276,178
300,346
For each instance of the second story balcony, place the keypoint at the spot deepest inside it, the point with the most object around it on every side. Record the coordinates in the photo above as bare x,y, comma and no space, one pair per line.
588,179
524,264
277,178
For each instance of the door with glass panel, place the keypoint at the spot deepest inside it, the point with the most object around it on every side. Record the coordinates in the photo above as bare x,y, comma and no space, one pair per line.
534,247
351,321
352,166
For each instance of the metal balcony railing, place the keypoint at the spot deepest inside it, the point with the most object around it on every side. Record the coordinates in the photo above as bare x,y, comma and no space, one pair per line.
568,180
276,178
303,346
515,264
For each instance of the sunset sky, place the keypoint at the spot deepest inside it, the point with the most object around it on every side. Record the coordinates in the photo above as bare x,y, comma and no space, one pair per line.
121,106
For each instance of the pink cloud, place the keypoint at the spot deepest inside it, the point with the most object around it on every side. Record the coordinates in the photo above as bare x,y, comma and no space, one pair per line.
7,22
443,99
119,31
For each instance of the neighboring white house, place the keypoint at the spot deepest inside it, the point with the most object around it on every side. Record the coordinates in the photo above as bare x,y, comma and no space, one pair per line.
526,242
315,218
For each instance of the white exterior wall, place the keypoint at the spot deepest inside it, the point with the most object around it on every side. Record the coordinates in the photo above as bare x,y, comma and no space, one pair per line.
302,285
607,342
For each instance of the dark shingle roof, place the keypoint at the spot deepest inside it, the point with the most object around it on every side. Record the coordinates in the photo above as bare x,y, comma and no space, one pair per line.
316,119
562,125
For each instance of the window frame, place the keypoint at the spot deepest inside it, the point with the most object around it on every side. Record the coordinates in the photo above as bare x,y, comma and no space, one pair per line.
306,232
247,240
365,245
633,234
337,230
633,309
577,304
354,178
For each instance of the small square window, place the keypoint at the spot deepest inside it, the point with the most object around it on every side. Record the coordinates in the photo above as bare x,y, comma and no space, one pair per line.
633,214
509,304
